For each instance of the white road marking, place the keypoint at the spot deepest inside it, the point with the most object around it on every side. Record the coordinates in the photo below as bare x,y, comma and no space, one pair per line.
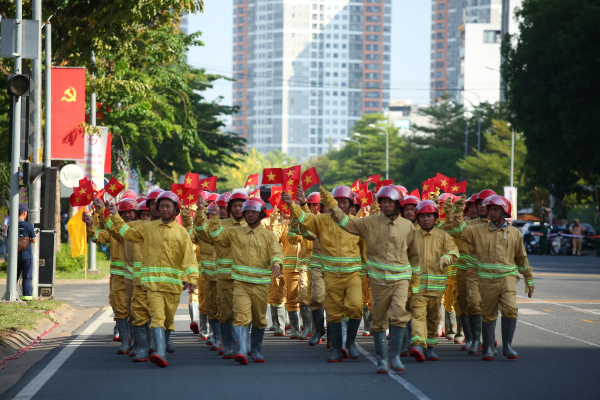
559,334
531,311
564,305
40,380
408,386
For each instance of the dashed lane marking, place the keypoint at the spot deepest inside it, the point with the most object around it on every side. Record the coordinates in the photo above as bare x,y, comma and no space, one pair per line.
559,334
587,320
564,305
531,311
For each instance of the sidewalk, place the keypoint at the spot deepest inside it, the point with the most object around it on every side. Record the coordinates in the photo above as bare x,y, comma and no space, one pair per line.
78,293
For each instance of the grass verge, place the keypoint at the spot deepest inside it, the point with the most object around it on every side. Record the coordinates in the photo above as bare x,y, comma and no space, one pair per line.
20,315
103,272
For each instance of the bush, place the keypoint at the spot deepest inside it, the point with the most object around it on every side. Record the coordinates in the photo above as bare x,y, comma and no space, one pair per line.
4,267
66,263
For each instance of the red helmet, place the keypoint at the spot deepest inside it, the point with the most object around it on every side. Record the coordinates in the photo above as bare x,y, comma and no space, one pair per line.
444,196
496,200
342,192
140,199
470,200
238,195
389,192
403,191
223,199
154,194
128,194
205,194
427,206
212,197
142,206
254,204
411,200
127,205
261,201
484,194
314,198
170,196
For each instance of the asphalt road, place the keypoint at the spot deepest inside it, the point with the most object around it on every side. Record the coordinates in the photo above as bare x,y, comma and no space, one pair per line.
557,338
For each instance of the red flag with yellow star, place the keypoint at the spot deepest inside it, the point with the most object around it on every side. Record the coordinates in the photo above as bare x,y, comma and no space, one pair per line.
415,193
252,180
373,179
459,187
356,186
209,184
85,191
76,201
383,183
275,201
191,180
443,182
428,187
310,178
275,189
177,189
190,196
272,176
291,172
256,193
366,198
100,194
114,187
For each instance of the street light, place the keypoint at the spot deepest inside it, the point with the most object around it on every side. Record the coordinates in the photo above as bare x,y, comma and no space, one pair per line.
387,149
478,119
354,141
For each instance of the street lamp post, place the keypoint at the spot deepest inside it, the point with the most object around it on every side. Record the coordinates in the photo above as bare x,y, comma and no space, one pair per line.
357,142
387,149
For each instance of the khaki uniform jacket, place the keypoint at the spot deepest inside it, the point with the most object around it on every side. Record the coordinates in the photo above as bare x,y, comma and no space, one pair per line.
253,251
132,252
434,245
102,236
205,253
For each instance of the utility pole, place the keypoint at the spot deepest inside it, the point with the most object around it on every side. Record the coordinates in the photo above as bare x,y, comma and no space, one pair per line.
92,269
512,156
48,63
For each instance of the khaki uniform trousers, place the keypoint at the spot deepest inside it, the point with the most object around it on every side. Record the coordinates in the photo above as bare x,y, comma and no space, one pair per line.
250,304
139,306
212,303
277,291
198,295
317,289
343,296
426,317
498,292
577,246
366,293
225,291
291,278
461,296
389,302
117,294
129,298
162,307
473,296
304,288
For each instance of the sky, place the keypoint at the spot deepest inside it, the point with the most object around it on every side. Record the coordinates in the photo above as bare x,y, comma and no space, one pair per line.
411,43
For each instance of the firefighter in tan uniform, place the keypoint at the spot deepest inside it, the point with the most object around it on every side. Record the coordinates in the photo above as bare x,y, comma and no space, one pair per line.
290,241
393,267
304,278
501,256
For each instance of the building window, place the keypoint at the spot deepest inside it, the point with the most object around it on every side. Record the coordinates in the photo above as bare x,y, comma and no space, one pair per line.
440,26
373,76
373,28
374,9
439,54
439,45
441,6
372,104
439,35
372,66
439,74
439,84
439,64
491,36
373,38
440,16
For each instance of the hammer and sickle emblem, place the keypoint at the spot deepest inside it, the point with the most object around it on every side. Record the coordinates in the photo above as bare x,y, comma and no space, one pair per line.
70,95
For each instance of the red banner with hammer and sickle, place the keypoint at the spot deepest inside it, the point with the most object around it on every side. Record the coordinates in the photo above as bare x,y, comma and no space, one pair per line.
68,112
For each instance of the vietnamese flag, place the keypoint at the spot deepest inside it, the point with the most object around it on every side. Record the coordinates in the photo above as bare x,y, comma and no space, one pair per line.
365,187
100,194
256,193
366,198
190,196
275,200
106,214
252,180
209,184
459,187
443,182
75,201
291,173
415,193
275,189
356,186
310,178
292,191
191,180
290,183
428,187
177,189
272,176
373,179
114,187
85,188
383,183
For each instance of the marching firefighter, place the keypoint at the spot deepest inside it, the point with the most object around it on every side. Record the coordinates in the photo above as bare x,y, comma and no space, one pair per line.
438,252
342,266
393,266
501,256
290,242
168,254
256,254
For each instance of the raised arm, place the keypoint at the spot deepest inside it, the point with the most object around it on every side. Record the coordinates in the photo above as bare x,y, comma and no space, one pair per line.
355,226
132,234
216,231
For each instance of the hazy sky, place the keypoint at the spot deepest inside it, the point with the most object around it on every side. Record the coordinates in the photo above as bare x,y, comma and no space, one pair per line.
411,30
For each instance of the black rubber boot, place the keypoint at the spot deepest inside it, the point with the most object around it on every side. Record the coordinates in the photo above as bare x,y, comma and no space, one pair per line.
397,334
406,340
136,343
123,336
241,332
381,352
466,326
273,318
307,321
216,328
170,346
144,350
353,325
295,324
367,321
334,332
475,323
159,357
257,336
508,330
226,339
489,337
328,345
319,318
248,348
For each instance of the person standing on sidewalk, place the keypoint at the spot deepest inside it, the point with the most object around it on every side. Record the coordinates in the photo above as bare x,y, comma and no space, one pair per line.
579,230
24,259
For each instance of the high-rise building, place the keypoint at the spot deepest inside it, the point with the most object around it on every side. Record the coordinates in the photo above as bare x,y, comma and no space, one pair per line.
306,70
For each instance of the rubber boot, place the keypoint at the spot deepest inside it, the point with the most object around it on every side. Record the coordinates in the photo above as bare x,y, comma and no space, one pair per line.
124,336
280,331
143,348
489,338
194,317
136,344
381,352
204,327
406,340
116,333
151,339
287,320
249,339
257,336
169,346
431,356
241,332
160,356
216,328
475,323
319,317
397,334
274,323
334,331
452,325
460,332
294,324
306,320
211,325
353,325
417,353
226,339
367,321
508,330
344,337
328,344
466,327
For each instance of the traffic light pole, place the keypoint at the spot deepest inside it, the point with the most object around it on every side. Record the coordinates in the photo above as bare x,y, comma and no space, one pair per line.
48,63
13,227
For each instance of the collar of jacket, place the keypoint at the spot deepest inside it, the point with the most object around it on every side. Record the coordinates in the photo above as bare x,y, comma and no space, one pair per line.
389,221
250,230
493,226
425,233
170,224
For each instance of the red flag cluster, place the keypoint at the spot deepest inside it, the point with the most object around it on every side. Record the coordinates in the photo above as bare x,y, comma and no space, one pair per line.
82,194
444,183
288,178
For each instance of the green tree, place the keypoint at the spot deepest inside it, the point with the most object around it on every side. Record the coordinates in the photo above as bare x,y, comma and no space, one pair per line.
551,78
